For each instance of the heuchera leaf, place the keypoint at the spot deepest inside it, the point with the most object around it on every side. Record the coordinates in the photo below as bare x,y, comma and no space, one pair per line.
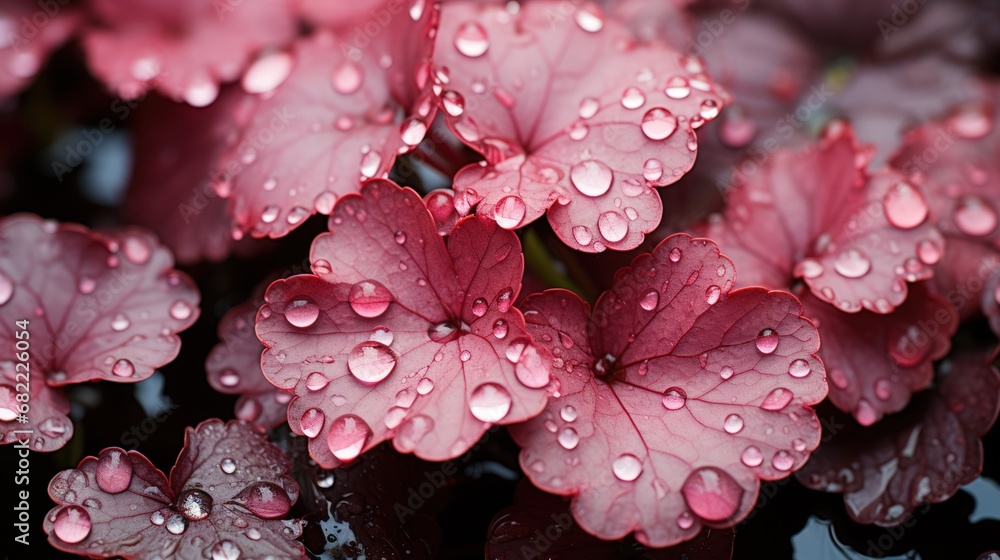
233,367
171,189
184,49
227,497
540,524
25,45
586,147
375,507
856,238
676,396
923,454
400,335
102,305
875,362
326,121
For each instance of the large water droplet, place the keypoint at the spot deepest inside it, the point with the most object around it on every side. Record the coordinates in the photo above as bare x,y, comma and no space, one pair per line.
302,312
712,494
782,461
471,39
905,206
266,500
589,17
267,72
568,438
228,466
674,398
677,88
369,298
479,307
633,98
225,550
591,177
180,310
123,368
114,471
658,124
799,368
509,211
767,341
733,424
194,504
72,524
612,225
650,300
852,263
177,524
752,457
347,77
777,399
371,361
974,216
490,402
627,467
443,332
312,422
348,435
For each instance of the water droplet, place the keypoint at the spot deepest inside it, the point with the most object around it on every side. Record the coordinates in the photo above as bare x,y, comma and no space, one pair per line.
974,216
709,109
177,524
72,524
658,124
479,307
589,107
371,361
500,328
509,211
568,438
490,402
883,389
712,494
453,103
412,432
412,131
752,457
194,504
726,372
86,286
157,518
348,435
782,461
852,263
650,300
266,500
201,94
123,368
267,72
799,368
674,398
712,294
312,422
590,18
228,466
970,121
302,312
471,39
591,177
905,206
568,413
627,467
929,252
675,255
652,170
633,98
767,341
114,471
677,88
777,399
582,235
324,205
370,164
504,300
612,225
425,386
442,332
733,424
316,381
369,298
180,310
347,77
225,550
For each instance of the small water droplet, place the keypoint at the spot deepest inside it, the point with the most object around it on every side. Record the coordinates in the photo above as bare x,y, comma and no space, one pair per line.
627,467
589,107
883,389
225,550
312,422
194,504
228,466
852,263
369,298
752,457
726,372
348,435
589,17
347,77
479,307
568,438
712,294
490,402
582,235
177,524
782,461
633,98
677,88
777,399
471,39
302,312
675,255
453,103
905,206
371,361
712,494
767,341
509,211
974,216
733,424
650,300
658,124
180,310
591,177
674,398
266,500
267,72
123,368
799,368
612,225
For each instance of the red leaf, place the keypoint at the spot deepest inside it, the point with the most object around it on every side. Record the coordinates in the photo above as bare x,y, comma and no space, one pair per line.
584,146
233,367
399,335
26,45
170,189
676,396
101,306
329,124
540,523
875,362
923,454
183,49
224,499
855,238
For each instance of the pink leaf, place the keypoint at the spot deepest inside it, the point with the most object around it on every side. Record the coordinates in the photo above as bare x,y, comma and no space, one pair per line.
923,454
233,367
875,362
676,396
329,124
184,49
584,146
855,238
171,191
540,523
25,45
399,335
100,305
225,499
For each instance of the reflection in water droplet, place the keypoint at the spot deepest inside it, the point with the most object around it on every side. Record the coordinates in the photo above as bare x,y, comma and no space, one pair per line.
471,39
733,424
905,206
591,177
371,361
509,211
194,504
348,436
301,312
799,368
974,216
114,471
712,494
674,398
369,298
852,263
650,300
767,341
72,524
658,124
752,457
627,467
490,402
312,422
